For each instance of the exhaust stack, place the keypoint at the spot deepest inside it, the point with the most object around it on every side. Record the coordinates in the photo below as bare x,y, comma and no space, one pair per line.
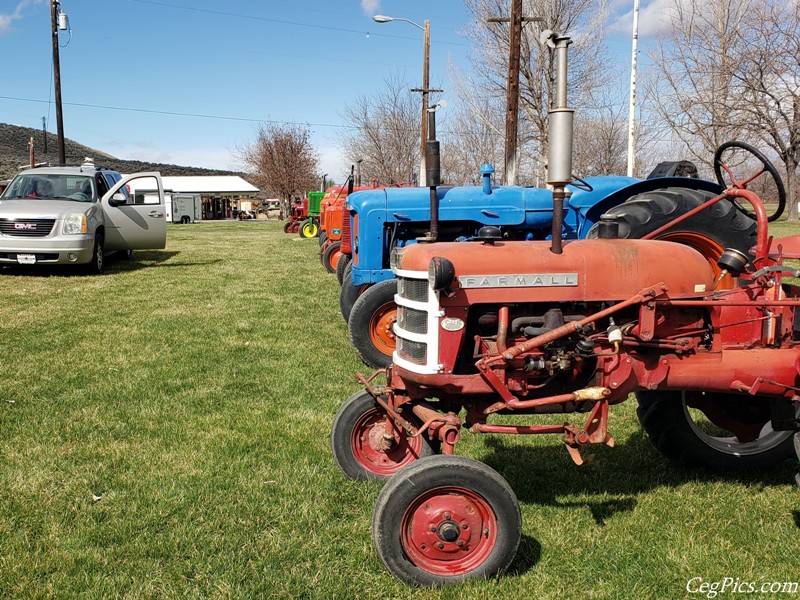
559,155
433,171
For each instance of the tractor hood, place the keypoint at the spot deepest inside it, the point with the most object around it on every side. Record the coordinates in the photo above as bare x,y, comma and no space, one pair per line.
505,205
587,270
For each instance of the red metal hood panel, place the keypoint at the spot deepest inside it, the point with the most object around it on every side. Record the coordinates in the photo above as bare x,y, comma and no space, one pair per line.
586,270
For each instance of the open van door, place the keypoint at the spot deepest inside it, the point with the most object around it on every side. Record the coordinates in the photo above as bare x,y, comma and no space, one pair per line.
131,226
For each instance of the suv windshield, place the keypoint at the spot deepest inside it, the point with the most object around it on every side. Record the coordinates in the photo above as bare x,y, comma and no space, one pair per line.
79,188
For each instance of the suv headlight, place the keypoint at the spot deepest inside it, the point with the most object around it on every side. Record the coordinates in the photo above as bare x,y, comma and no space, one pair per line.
75,223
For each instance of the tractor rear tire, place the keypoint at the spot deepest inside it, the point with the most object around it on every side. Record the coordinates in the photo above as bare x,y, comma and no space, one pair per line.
371,324
356,437
331,256
344,260
446,519
692,440
349,292
709,232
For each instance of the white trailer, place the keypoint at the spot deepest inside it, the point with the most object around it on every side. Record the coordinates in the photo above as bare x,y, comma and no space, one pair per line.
183,208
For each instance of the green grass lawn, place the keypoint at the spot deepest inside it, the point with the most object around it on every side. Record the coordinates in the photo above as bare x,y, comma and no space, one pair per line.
164,433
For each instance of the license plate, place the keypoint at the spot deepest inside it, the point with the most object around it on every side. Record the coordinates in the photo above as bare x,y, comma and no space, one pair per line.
26,259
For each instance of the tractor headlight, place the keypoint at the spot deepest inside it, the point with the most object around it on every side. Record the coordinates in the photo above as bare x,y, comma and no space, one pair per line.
394,258
75,223
441,273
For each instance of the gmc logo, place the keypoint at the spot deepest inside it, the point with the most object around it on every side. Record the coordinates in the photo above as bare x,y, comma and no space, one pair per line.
24,225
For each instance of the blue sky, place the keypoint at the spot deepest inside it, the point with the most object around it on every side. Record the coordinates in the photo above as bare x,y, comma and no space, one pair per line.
216,69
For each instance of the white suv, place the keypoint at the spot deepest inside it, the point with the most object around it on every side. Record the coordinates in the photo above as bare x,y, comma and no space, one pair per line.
76,215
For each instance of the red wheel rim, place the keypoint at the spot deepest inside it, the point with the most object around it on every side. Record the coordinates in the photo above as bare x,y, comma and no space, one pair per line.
333,258
367,444
381,328
449,531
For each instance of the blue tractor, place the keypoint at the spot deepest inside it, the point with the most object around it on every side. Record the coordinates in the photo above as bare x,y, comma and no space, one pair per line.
381,220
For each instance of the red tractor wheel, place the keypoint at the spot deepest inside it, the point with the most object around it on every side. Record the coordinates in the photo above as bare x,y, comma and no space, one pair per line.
330,257
287,227
371,324
296,227
358,441
446,519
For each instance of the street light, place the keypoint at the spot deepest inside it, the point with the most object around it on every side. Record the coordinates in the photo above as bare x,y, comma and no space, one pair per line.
426,65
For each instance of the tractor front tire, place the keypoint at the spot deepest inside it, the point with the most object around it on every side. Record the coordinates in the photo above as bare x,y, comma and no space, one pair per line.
308,229
349,292
371,324
685,435
322,237
446,519
710,231
357,436
341,265
331,255
287,227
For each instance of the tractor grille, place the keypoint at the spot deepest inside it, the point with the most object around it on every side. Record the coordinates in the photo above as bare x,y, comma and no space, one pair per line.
347,244
413,289
26,228
415,352
414,321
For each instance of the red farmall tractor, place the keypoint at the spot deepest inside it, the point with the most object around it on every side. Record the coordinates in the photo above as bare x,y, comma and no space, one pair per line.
492,328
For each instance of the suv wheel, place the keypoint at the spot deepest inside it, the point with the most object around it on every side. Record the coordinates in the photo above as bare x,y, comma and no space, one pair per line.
98,264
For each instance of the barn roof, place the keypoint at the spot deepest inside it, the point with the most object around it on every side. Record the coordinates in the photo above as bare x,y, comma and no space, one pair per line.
218,185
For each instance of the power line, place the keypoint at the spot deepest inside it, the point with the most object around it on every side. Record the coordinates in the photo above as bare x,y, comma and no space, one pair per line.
282,22
178,114
444,130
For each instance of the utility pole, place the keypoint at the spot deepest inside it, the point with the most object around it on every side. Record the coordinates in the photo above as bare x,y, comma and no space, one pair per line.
425,90
57,81
632,105
512,88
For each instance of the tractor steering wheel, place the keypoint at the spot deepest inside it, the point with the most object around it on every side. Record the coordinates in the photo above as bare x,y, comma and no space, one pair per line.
766,166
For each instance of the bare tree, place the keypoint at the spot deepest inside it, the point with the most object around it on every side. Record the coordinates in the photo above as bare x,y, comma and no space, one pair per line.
282,161
582,20
470,138
383,132
768,79
696,57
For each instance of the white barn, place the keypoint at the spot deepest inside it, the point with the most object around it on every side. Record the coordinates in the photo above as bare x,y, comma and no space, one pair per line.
222,195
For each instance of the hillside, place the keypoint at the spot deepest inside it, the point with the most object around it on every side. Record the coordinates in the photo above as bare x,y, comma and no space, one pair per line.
14,153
